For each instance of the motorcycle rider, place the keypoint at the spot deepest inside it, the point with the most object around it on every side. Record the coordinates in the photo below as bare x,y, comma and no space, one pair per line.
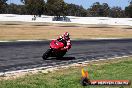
66,38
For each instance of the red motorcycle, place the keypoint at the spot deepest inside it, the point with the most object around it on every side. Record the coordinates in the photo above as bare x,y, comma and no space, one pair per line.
55,49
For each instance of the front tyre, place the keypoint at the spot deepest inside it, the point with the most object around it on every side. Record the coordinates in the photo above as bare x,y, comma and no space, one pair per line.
46,54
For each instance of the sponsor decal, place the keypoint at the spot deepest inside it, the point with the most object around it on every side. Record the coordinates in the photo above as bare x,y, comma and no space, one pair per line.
85,80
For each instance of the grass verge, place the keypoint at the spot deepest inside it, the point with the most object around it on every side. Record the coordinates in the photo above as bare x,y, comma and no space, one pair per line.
70,78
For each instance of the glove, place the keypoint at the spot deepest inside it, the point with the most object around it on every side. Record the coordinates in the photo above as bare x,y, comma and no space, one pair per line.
60,39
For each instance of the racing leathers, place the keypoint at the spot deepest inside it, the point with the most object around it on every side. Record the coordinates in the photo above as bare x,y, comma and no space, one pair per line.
68,42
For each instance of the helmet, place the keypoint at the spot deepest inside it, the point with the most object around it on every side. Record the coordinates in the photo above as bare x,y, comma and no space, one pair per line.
66,35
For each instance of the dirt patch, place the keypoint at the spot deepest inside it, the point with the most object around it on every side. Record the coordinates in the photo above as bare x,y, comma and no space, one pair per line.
128,28
69,26
100,27
11,24
30,31
41,25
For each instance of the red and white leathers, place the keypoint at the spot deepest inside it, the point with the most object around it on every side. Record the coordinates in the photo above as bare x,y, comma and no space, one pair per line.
68,41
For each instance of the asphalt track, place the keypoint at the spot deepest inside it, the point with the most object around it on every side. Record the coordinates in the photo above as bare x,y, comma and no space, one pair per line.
26,55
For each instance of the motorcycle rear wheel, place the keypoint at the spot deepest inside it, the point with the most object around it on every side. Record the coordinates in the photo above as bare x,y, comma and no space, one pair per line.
61,54
46,54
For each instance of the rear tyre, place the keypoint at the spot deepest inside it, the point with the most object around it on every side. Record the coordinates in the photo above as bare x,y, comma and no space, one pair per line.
46,54
61,54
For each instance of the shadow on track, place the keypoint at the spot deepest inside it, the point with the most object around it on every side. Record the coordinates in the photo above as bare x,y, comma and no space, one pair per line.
62,58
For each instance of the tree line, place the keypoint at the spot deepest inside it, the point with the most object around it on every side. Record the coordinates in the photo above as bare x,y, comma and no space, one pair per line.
60,8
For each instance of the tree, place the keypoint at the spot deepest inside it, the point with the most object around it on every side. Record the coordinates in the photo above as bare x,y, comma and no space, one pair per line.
128,10
3,5
34,7
56,7
95,9
76,10
13,9
116,12
106,9
130,2
98,9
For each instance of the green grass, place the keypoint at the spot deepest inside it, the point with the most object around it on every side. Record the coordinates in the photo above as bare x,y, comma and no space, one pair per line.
70,78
